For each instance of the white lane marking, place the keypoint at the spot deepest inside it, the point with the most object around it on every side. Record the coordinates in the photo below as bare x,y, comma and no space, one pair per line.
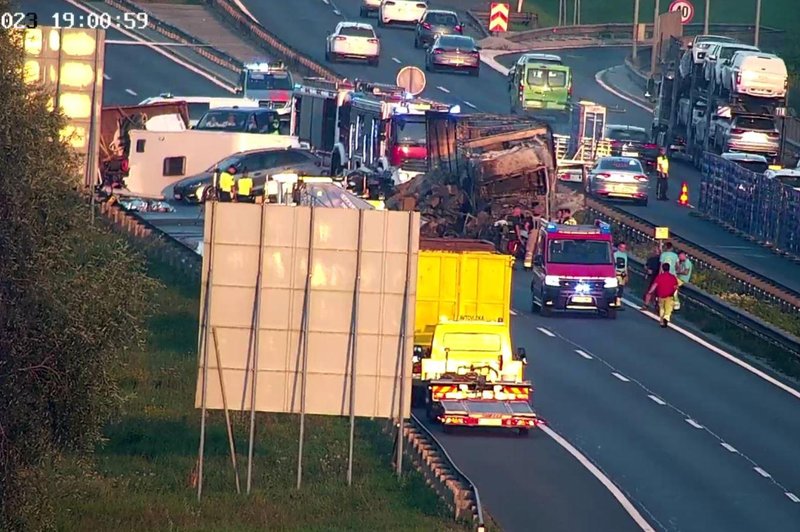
792,496
657,399
761,472
132,93
242,7
468,104
396,60
721,352
729,447
326,2
693,423
106,77
621,377
599,79
184,64
545,331
488,58
337,12
513,312
599,475
584,354
447,91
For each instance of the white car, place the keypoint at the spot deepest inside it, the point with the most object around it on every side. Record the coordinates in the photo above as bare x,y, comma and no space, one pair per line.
401,11
369,6
696,53
719,55
353,40
755,74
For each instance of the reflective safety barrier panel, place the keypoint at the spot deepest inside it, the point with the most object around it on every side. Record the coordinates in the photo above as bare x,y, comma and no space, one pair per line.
758,206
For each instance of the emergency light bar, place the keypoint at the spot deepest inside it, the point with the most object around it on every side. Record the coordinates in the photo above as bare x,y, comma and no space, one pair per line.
269,66
599,228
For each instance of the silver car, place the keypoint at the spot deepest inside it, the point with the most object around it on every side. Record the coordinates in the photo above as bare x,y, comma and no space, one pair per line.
436,22
618,178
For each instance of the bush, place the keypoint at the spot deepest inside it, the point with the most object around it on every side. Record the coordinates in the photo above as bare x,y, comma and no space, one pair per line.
73,299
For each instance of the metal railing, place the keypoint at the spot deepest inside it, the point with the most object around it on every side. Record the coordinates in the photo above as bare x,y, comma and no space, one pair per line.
478,513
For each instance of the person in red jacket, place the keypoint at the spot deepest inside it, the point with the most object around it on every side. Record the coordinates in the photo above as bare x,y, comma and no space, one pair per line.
664,287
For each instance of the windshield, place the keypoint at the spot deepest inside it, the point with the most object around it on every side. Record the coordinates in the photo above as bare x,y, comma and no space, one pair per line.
579,252
553,78
225,163
755,122
229,120
472,342
754,166
628,134
622,165
260,81
410,132
705,39
355,31
464,43
441,19
728,51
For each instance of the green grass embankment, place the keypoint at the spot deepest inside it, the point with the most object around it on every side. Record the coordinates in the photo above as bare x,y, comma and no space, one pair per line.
141,479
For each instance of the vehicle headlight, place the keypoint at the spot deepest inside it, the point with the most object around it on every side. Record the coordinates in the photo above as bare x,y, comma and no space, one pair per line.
552,280
415,359
611,282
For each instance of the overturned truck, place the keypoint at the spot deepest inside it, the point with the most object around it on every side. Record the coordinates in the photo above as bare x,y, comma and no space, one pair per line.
480,167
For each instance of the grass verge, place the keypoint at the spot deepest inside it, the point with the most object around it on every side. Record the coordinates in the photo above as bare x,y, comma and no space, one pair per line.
141,479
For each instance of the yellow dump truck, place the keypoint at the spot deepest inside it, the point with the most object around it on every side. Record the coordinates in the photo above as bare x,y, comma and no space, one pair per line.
466,372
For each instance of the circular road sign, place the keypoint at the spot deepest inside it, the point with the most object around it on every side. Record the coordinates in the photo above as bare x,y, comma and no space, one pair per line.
412,79
684,8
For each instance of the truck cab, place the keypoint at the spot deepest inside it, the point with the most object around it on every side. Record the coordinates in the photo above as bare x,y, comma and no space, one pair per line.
269,83
573,269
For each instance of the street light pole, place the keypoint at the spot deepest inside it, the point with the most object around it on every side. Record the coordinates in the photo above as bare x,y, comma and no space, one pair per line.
758,22
708,11
635,51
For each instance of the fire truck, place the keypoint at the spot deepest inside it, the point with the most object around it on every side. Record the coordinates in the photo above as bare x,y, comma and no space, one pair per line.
363,124
269,83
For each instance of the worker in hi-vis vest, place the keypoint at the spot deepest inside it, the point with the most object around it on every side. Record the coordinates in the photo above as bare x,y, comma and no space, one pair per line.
226,184
244,190
662,167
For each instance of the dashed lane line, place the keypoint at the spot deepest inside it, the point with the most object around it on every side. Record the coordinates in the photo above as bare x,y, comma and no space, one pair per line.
132,93
729,447
545,331
761,472
693,423
623,378
657,399
584,354
443,89
396,60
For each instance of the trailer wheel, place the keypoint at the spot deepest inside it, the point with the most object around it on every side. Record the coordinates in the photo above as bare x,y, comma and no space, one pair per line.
523,433
611,313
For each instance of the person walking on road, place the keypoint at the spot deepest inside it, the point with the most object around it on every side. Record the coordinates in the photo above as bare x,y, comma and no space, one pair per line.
662,180
652,266
683,271
670,257
621,270
664,288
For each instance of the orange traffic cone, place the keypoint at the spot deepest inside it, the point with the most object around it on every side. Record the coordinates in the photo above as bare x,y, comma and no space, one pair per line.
683,199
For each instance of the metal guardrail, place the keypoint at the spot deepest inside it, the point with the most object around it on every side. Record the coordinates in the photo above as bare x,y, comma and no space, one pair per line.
477,507
176,34
750,282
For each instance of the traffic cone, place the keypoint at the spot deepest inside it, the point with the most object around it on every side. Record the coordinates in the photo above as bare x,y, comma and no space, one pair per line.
683,199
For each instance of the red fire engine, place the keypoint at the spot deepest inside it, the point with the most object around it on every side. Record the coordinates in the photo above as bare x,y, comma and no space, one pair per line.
361,123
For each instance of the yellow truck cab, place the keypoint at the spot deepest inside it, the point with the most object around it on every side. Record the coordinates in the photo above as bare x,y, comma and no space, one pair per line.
466,371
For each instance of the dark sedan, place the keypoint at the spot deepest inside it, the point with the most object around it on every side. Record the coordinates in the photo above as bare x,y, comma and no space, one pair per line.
632,141
456,52
258,164
434,23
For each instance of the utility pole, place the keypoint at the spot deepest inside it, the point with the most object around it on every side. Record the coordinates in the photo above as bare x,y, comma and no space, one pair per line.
576,13
519,6
635,51
562,12
708,11
758,22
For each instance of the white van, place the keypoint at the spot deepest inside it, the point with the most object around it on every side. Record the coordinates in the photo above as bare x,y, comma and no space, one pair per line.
199,105
757,74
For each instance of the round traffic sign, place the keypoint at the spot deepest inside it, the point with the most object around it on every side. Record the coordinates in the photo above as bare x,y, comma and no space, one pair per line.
685,8
412,79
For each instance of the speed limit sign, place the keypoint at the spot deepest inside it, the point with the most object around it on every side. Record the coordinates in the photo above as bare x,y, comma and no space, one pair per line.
685,8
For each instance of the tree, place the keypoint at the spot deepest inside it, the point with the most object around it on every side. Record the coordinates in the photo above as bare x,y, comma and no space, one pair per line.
73,301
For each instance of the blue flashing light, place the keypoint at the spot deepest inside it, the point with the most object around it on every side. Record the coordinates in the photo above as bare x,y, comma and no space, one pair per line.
605,228
551,227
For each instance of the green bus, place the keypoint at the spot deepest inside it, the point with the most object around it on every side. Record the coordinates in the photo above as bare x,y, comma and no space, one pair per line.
540,82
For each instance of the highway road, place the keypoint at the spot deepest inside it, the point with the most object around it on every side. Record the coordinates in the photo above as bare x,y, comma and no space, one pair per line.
133,73
697,442
313,19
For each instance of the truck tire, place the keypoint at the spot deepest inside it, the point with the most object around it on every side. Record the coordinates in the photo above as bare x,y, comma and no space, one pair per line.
523,433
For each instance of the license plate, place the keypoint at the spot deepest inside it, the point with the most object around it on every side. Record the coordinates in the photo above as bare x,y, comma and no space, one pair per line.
491,422
630,154
624,189
581,299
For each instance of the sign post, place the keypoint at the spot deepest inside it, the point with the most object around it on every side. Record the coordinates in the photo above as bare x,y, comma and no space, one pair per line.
498,17
412,79
685,8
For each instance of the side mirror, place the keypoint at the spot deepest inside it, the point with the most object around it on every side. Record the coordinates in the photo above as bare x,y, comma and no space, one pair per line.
522,356
538,260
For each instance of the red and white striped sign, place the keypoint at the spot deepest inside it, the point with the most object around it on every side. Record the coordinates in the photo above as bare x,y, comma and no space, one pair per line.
498,17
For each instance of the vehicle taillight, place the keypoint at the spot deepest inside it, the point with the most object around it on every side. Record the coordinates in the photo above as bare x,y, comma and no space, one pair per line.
426,25
340,39
737,131
458,28
475,53
650,146
774,134
125,166
603,176
739,78
438,51
616,143
372,41
640,177
569,90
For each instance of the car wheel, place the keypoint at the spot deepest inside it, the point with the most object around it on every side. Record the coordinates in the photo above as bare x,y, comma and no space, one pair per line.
428,67
416,41
544,310
364,13
374,61
523,432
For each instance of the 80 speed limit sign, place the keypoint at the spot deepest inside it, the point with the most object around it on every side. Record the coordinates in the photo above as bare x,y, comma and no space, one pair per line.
685,8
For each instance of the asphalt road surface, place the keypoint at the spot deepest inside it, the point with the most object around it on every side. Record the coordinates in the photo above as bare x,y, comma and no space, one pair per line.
133,73
312,20
712,449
